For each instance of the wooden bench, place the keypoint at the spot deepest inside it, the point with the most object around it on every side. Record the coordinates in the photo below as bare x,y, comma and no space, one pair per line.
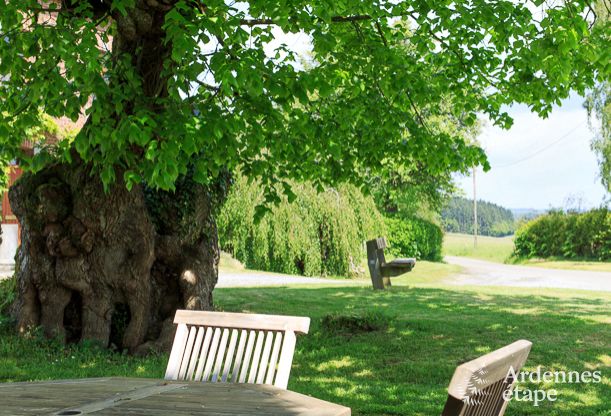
380,270
234,347
478,387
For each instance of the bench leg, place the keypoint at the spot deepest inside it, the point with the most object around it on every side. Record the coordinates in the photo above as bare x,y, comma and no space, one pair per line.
376,277
386,281
373,262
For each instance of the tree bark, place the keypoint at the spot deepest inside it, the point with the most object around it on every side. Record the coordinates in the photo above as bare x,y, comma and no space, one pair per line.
112,266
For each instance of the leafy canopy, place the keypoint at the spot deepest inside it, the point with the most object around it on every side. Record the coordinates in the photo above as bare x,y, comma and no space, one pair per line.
598,104
229,92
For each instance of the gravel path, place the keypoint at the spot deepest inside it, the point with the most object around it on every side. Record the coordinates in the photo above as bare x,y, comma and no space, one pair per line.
485,273
474,272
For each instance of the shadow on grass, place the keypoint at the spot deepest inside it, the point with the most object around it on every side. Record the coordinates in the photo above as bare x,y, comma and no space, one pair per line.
402,365
406,368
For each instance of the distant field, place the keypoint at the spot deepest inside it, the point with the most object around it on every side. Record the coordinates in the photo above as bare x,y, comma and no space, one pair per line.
488,248
499,250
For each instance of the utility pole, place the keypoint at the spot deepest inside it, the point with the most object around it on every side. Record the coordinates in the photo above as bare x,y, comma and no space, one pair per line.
474,211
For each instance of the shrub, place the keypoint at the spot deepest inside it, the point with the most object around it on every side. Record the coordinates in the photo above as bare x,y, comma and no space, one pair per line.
355,323
414,237
8,293
571,235
316,234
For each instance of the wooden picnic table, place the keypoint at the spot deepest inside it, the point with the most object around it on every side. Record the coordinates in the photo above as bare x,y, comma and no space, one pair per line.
151,397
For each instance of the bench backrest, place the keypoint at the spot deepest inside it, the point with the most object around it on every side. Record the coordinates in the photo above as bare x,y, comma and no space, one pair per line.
375,249
477,387
234,347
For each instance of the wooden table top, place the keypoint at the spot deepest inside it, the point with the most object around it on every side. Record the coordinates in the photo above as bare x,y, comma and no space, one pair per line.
152,397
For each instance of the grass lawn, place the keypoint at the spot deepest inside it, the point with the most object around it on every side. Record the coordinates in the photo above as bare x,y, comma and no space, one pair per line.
592,266
403,368
488,248
499,249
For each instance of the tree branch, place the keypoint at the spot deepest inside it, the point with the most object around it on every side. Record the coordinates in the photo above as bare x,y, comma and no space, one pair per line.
256,22
207,86
379,28
335,19
420,118
353,18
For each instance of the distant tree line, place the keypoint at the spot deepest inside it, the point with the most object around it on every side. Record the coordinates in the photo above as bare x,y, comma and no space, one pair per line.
492,220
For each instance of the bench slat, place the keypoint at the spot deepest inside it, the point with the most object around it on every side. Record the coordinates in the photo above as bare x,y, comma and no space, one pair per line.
297,324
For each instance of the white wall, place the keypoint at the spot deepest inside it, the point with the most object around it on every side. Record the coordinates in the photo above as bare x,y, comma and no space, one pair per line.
8,248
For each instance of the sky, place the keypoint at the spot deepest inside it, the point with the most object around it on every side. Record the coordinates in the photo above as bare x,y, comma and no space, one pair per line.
539,163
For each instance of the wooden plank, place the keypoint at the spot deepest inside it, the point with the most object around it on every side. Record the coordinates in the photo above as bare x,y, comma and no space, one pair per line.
254,367
239,356
116,400
233,399
269,340
374,264
274,359
187,353
203,354
195,354
220,356
297,324
38,398
178,348
146,397
381,243
247,355
286,360
230,351
211,354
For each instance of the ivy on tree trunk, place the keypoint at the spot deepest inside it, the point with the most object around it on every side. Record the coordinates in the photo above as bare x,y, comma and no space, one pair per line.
88,257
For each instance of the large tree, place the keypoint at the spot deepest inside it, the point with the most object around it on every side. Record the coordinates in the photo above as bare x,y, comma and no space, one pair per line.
178,93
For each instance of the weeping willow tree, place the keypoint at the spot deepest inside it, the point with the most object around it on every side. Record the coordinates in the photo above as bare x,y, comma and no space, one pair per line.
179,93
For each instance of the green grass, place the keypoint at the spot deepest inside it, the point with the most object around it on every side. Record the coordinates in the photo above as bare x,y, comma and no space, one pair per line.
488,248
499,250
593,266
405,368
424,330
425,273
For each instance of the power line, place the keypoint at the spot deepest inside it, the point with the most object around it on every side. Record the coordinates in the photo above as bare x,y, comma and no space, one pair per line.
565,136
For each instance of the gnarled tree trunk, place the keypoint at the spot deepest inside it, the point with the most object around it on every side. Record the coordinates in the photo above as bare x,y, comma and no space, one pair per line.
112,266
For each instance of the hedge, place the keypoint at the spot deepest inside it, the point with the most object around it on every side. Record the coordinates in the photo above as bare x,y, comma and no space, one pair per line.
317,234
570,235
414,237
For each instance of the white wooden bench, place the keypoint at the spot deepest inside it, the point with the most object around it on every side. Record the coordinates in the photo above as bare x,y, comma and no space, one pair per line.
477,387
234,347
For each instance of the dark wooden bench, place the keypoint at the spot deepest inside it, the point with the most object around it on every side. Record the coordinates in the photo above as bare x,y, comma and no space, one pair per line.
380,270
